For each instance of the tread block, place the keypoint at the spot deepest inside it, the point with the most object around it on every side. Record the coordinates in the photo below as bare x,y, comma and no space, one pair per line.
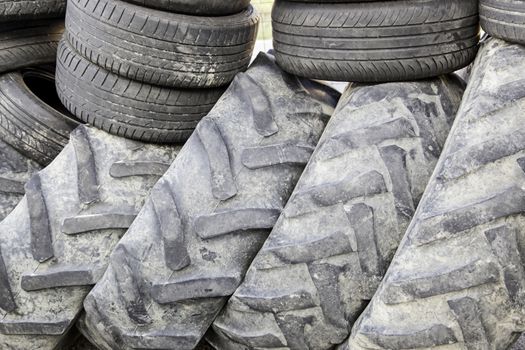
509,202
194,288
136,168
286,153
170,225
251,337
86,167
94,222
41,237
373,135
222,223
7,301
468,315
61,276
9,186
521,163
471,275
222,182
434,336
47,328
361,218
329,194
261,108
160,340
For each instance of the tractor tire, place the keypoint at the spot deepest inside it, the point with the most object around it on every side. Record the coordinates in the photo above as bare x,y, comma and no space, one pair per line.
27,10
458,279
56,243
162,48
334,241
29,44
205,220
129,108
196,7
375,41
504,19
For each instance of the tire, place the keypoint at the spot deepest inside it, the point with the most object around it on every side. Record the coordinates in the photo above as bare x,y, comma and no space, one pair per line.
162,48
457,278
375,41
26,45
56,242
504,19
16,10
342,225
196,7
263,131
32,120
128,108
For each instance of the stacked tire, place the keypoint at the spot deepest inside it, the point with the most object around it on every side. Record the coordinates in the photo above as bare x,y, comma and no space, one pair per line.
151,73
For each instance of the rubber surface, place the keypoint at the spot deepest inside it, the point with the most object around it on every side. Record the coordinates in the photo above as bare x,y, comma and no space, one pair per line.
26,10
504,19
197,7
29,44
162,48
205,220
334,241
375,41
458,280
55,245
128,108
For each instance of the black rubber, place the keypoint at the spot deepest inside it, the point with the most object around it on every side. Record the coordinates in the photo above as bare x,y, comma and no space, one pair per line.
56,243
504,19
26,10
197,7
375,41
29,44
162,48
32,119
458,278
129,108
208,216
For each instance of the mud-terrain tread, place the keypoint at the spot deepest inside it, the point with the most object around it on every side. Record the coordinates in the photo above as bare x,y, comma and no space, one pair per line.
149,299
473,299
338,232
128,108
162,48
374,41
23,10
55,244
504,19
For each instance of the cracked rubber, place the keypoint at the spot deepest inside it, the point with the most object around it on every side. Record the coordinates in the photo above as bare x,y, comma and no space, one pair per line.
197,7
191,244
375,41
162,48
341,227
56,243
504,19
26,10
129,108
29,44
458,279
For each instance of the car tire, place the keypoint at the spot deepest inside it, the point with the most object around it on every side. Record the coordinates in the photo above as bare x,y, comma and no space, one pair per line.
504,19
15,10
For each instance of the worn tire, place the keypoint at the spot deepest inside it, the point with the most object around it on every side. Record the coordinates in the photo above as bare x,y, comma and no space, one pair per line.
196,7
341,227
32,120
16,10
56,242
504,19
26,45
162,48
208,216
128,108
458,278
375,41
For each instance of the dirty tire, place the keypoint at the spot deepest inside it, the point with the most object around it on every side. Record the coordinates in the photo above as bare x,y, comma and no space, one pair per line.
458,277
128,108
162,48
26,10
196,7
32,120
375,41
26,45
55,244
332,245
208,216
504,19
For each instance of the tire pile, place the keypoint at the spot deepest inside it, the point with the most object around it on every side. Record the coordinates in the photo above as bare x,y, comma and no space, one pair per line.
388,217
